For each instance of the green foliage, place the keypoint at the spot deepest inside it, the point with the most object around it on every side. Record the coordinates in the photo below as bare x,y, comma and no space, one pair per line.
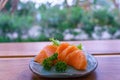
103,17
4,39
5,26
14,23
112,30
58,36
26,8
61,19
43,37
57,18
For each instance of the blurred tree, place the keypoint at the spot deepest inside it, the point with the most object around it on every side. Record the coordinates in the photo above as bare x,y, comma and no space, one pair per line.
65,4
11,5
14,5
115,4
3,3
27,8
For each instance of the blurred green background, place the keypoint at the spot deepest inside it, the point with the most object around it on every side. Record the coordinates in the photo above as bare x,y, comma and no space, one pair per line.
39,20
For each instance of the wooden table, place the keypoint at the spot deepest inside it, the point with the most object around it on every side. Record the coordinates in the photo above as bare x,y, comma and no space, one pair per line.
15,57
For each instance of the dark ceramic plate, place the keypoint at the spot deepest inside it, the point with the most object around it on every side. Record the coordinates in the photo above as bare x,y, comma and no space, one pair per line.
70,72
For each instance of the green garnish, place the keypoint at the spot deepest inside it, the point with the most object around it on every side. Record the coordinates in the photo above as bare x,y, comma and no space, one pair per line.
60,66
55,42
47,64
53,57
80,46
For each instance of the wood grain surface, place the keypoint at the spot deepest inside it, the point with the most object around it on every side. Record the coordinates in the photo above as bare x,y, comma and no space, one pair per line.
18,69
97,47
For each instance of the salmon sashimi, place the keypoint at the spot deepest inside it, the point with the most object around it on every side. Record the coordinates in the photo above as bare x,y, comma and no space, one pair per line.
46,52
77,59
61,48
67,51
50,49
70,54
41,56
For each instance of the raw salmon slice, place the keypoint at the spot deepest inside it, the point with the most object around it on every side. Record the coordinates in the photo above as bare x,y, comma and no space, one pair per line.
50,49
68,51
46,52
41,56
61,48
77,59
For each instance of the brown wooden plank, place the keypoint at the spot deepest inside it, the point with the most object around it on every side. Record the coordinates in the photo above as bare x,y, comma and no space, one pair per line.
18,69
33,48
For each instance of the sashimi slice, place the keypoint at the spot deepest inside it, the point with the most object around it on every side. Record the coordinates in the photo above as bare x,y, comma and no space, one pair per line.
50,49
67,51
77,59
46,52
41,56
61,48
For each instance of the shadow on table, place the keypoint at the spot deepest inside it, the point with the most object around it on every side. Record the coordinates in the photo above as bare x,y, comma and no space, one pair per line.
91,76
